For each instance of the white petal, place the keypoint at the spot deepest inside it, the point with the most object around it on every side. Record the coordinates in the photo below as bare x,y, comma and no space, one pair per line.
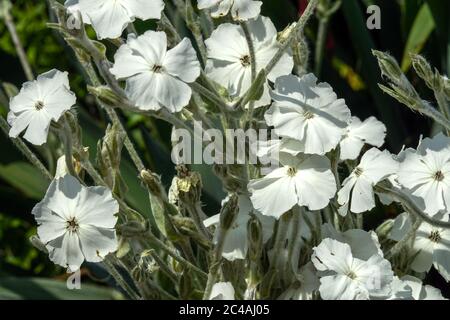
144,9
332,255
378,165
222,291
182,62
424,259
441,259
109,18
38,128
362,196
338,287
171,92
273,196
65,251
97,243
245,9
96,207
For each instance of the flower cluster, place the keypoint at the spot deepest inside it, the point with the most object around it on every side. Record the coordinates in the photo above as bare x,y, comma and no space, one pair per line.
296,231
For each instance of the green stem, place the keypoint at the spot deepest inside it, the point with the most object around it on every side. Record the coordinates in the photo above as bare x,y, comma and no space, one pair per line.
9,22
320,45
18,142
119,279
399,245
411,207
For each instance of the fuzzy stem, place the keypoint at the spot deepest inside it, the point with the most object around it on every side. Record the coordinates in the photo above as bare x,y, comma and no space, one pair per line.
411,207
18,142
399,245
9,22
120,280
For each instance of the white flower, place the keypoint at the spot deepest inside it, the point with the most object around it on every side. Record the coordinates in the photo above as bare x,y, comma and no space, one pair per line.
222,291
375,166
306,181
76,223
370,131
411,288
362,243
426,173
348,278
240,9
308,112
431,245
230,64
236,242
110,17
38,103
156,77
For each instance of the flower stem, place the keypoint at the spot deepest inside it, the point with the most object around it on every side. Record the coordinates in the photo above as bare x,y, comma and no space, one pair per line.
411,207
399,245
18,142
9,22
120,280
297,29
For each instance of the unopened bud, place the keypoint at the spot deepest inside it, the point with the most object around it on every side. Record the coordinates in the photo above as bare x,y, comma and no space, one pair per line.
255,238
229,212
38,244
105,95
152,181
132,228
389,67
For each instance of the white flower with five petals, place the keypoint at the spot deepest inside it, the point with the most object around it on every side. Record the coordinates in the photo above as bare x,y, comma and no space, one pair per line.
304,180
76,223
431,245
230,64
357,189
308,112
38,103
109,18
156,77
344,277
426,173
240,9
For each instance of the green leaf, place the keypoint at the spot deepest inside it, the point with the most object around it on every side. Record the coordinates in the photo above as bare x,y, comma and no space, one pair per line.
25,178
12,288
420,32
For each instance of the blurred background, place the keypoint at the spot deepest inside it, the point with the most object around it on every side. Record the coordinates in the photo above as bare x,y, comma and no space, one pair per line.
420,26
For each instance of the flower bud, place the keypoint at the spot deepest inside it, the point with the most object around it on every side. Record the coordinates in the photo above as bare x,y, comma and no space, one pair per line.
384,229
132,228
38,244
152,181
389,67
105,95
229,212
255,238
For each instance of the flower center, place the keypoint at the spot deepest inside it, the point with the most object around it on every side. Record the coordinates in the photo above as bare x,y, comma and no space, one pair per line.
435,236
291,172
157,68
308,115
358,171
438,176
351,275
246,60
39,105
72,225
